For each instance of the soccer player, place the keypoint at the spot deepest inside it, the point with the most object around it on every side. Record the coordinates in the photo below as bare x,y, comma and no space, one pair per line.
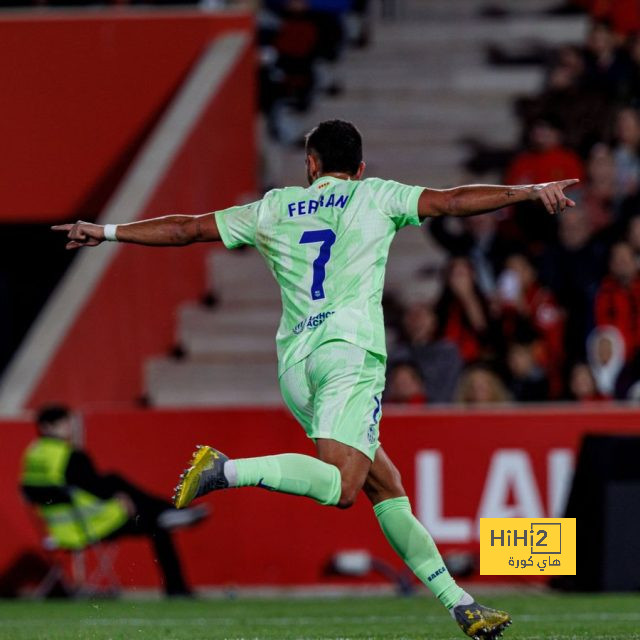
327,246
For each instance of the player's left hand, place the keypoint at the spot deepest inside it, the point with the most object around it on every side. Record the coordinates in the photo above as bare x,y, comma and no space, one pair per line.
81,234
552,195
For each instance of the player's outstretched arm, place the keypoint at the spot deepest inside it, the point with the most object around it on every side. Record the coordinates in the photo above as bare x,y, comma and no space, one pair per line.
168,231
481,198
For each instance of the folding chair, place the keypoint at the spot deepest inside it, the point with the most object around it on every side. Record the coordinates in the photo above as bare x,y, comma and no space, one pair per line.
71,566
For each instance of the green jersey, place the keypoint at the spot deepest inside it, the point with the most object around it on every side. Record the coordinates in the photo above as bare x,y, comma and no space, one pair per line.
327,247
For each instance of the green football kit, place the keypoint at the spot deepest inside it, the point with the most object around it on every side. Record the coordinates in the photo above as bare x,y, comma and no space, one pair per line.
327,247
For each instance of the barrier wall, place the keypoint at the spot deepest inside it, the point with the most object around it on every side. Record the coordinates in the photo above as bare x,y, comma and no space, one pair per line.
456,467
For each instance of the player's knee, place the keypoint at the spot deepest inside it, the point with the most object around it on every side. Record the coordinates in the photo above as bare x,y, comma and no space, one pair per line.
348,495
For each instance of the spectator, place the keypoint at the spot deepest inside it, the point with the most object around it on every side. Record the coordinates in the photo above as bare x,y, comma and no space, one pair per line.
547,158
437,360
618,298
633,236
480,385
582,386
605,350
404,385
597,198
606,65
529,312
626,154
528,381
81,506
463,312
477,239
572,266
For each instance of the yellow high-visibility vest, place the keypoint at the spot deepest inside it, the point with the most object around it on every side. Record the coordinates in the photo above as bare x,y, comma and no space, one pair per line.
82,520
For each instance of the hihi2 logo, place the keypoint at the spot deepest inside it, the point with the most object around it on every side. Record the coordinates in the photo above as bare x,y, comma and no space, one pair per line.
527,546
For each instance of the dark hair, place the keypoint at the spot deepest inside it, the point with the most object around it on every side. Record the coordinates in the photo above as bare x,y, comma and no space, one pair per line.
338,145
50,414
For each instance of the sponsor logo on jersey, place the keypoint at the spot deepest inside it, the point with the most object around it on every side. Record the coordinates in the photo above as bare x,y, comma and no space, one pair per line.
312,322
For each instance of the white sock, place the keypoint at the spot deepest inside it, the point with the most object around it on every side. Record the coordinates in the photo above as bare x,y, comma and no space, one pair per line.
230,473
465,598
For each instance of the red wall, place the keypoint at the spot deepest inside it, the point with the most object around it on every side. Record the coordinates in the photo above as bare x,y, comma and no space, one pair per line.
79,93
104,86
255,537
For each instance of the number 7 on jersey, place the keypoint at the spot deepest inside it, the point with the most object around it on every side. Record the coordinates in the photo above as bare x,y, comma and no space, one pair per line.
326,237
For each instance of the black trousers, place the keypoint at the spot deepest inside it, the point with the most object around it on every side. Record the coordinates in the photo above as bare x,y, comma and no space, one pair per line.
144,523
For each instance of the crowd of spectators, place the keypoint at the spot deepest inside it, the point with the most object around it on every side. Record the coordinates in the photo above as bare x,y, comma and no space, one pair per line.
535,307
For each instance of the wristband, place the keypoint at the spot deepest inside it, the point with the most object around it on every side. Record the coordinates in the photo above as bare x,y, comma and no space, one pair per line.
110,232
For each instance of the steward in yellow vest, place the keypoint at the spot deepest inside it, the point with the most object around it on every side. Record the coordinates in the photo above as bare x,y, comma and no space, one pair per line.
80,506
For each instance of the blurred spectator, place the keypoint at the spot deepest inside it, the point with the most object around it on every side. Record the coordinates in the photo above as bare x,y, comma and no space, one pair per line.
529,312
463,312
300,42
597,198
547,158
580,110
479,384
477,239
606,355
527,379
405,385
626,153
633,236
582,386
572,267
437,360
618,298
606,65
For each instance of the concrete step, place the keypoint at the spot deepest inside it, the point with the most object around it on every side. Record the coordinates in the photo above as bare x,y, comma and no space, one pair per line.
173,383
241,277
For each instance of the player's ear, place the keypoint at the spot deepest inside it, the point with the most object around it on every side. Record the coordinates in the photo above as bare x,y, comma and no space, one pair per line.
360,171
313,166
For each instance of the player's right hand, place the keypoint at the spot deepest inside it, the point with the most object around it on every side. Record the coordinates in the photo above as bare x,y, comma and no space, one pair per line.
81,234
551,194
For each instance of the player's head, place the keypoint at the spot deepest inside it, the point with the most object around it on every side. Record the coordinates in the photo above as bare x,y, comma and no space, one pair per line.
55,421
334,146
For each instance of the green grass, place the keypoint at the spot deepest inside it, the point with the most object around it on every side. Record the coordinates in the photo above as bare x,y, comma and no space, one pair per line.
535,617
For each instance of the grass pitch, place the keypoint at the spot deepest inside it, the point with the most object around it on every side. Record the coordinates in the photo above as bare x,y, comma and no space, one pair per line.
536,617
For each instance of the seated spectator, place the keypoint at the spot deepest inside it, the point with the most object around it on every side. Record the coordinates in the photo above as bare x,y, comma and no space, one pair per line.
463,312
547,158
582,386
596,199
81,506
606,355
527,379
606,66
626,153
633,236
618,298
479,384
528,311
477,239
437,360
405,385
572,266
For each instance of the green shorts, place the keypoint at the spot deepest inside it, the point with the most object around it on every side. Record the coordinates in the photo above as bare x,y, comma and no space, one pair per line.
335,393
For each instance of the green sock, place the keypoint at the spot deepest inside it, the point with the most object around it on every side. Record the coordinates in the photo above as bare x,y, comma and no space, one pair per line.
291,473
412,542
